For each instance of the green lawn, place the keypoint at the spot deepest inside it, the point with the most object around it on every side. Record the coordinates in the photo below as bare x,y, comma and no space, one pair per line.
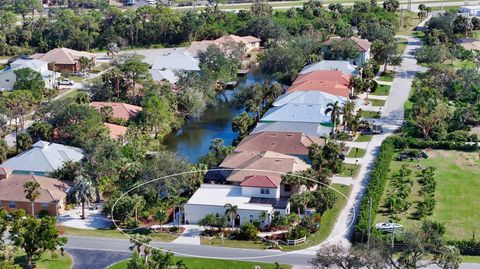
382,90
376,102
349,170
464,64
71,94
364,138
370,114
46,261
471,259
326,226
457,192
387,77
199,263
113,233
356,153
402,45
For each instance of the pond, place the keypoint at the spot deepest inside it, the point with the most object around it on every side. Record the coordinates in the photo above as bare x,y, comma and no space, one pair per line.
193,139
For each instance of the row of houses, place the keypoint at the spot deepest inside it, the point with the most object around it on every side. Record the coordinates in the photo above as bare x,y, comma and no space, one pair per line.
251,177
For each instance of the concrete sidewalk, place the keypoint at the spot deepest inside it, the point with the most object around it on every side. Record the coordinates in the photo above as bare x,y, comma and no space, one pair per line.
191,235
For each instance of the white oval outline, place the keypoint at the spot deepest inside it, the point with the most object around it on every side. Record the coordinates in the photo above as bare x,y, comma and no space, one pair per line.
282,253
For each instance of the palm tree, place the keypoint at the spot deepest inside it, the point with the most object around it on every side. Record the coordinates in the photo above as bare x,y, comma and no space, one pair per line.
140,241
177,201
82,192
32,193
334,110
232,211
348,111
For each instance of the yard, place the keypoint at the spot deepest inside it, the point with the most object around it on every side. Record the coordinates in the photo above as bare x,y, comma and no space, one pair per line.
199,263
356,153
387,77
382,90
376,102
327,222
349,170
364,138
46,261
113,233
370,114
456,195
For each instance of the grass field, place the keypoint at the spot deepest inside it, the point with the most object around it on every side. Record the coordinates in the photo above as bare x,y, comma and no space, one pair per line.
198,263
327,222
356,153
349,170
382,90
457,192
364,138
370,114
376,102
387,77
112,233
46,261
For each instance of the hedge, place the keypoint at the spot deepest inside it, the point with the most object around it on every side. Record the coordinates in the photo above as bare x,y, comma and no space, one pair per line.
467,247
417,143
375,188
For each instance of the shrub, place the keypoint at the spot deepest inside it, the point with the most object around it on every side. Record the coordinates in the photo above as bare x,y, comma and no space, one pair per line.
130,223
247,232
375,188
297,233
43,213
467,247
311,223
416,143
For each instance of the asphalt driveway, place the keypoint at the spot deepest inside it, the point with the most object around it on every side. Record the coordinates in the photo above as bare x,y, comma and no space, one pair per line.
96,259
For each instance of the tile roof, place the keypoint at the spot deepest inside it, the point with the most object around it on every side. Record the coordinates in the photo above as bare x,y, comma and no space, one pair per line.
120,110
116,131
266,163
51,190
297,113
43,157
324,75
292,143
62,56
307,128
329,87
262,181
363,45
343,66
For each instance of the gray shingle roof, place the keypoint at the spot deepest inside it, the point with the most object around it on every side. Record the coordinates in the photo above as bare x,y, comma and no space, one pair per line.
343,66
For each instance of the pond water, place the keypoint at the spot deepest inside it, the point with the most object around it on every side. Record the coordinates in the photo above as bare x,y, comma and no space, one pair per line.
193,139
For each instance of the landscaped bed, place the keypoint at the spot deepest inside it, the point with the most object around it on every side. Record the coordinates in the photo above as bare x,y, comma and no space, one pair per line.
456,194
113,233
199,263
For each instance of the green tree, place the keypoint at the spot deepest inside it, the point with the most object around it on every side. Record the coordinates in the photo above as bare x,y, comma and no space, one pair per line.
82,192
342,50
23,141
242,124
32,192
261,8
218,152
41,130
386,53
221,64
30,80
140,242
325,198
157,115
231,211
135,71
3,150
391,5
82,98
35,236
334,110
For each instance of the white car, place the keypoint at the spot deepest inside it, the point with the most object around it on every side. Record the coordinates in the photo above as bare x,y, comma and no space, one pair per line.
389,226
152,2
65,81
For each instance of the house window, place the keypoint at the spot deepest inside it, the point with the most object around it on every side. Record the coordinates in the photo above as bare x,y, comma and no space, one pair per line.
44,205
12,204
265,191
288,188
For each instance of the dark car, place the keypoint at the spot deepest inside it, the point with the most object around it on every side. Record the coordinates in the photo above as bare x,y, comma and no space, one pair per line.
129,3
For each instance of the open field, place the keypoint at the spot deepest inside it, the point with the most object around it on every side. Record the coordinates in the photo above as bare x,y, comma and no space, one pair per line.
113,233
457,192
198,263
327,222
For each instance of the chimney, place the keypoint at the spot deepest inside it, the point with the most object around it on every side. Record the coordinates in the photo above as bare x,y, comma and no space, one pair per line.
4,172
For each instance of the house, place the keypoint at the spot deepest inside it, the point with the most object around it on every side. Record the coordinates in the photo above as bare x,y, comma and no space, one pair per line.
324,76
64,60
298,113
363,47
250,43
42,159
117,132
470,11
170,62
331,82
256,196
122,111
291,143
52,196
342,66
8,77
311,97
307,128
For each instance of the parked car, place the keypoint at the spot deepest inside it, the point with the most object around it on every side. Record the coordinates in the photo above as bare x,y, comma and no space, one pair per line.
129,3
65,81
389,227
152,2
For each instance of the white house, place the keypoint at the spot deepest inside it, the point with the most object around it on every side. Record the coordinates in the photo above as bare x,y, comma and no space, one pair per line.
43,158
169,63
255,195
8,77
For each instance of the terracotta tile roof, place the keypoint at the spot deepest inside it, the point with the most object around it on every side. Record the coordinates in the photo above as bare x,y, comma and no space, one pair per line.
324,75
51,190
292,143
265,160
116,131
262,181
120,110
62,56
330,87
363,45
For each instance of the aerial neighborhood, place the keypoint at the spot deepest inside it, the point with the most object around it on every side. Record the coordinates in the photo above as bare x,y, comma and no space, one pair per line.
147,134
